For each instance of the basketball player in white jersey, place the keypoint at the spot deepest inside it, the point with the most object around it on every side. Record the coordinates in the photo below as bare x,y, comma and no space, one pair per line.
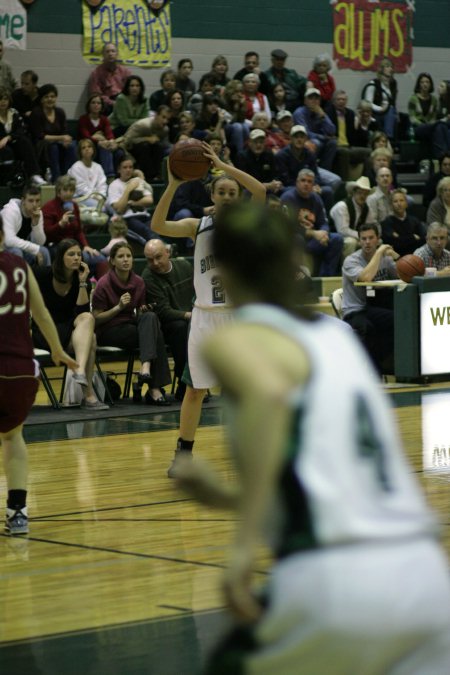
360,585
211,306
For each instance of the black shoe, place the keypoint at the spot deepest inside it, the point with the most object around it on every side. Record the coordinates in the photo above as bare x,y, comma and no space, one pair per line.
144,378
161,401
179,454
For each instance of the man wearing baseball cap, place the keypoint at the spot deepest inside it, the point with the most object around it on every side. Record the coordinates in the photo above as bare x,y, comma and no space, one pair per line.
349,214
320,128
259,162
294,83
297,156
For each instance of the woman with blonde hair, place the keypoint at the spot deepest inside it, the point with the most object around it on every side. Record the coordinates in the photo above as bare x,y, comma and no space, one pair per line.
381,92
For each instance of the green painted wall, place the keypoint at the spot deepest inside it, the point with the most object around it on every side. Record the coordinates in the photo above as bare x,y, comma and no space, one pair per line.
287,20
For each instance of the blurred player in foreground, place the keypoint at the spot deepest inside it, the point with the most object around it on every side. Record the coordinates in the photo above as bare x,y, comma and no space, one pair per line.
20,295
359,584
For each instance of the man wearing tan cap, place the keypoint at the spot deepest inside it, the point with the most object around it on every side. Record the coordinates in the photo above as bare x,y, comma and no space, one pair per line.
259,162
349,214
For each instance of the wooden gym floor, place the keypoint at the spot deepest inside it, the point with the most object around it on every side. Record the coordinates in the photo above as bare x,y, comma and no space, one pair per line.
121,572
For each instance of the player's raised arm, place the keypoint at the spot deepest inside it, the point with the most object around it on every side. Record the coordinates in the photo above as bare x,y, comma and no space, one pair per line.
186,227
256,189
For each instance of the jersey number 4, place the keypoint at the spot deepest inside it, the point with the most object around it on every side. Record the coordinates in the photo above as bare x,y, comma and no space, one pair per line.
370,446
20,280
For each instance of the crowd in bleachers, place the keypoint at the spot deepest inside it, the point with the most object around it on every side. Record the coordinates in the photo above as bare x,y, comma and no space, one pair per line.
332,166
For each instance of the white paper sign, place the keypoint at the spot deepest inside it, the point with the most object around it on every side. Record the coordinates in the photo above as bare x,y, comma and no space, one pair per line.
435,333
13,24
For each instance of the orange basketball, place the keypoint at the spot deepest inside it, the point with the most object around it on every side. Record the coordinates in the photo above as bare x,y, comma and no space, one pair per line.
410,266
187,161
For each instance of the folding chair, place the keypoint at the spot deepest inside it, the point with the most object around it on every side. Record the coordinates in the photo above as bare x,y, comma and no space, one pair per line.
107,353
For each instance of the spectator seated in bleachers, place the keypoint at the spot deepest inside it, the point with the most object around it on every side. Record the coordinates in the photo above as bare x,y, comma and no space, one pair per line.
251,65
277,100
348,152
255,101
365,124
236,130
15,145
23,227
296,156
272,142
294,83
55,147
62,221
108,79
130,106
219,67
183,80
89,175
282,129
170,291
320,129
168,82
259,162
26,97
429,192
124,319
211,117
6,76
379,202
95,125
381,92
439,209
444,115
175,102
148,141
401,230
65,288
307,206
320,77
118,231
130,197
423,110
434,252
378,158
351,213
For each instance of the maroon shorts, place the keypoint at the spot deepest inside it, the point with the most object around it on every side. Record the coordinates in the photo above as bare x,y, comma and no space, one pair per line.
17,395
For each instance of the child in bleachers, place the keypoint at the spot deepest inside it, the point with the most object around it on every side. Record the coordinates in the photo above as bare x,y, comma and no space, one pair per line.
118,231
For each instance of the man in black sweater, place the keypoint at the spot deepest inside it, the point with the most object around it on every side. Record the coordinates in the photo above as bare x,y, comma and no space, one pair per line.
170,291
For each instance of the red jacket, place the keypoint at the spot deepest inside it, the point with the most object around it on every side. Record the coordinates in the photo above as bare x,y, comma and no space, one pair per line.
86,129
53,211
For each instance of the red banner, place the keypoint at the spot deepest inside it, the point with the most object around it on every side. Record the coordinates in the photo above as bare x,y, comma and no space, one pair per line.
366,31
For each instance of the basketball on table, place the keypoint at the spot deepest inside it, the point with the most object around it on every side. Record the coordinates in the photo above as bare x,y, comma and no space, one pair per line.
187,161
410,266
